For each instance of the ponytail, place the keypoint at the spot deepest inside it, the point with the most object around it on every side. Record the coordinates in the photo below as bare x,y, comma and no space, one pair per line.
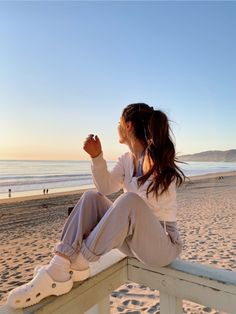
152,128
161,151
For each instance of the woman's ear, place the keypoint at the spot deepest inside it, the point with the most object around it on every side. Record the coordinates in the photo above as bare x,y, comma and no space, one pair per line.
129,126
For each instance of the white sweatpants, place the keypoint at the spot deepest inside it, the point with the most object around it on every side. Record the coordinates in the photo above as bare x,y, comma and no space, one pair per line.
96,226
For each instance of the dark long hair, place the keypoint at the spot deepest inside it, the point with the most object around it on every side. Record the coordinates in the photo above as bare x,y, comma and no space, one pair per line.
151,127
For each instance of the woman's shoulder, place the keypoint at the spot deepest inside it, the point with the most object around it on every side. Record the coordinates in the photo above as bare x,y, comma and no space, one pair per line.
125,159
126,156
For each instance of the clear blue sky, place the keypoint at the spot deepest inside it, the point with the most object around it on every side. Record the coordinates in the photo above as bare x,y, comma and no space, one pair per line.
67,69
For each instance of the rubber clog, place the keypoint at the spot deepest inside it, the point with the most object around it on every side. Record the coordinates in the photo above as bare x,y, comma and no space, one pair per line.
76,275
40,287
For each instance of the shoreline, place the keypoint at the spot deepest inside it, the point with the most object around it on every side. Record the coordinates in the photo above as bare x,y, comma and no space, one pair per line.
8,200
213,175
42,196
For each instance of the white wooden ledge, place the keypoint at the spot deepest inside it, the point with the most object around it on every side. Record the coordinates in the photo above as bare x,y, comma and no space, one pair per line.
180,280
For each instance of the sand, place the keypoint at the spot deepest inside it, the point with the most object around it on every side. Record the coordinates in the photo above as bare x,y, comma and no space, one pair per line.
30,226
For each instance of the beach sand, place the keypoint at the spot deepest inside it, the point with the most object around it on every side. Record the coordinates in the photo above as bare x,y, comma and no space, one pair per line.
30,226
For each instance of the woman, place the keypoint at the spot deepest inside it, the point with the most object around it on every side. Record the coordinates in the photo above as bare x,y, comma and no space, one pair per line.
140,223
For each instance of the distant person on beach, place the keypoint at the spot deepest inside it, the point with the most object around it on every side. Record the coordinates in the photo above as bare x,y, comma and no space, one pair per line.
44,191
9,193
47,191
140,223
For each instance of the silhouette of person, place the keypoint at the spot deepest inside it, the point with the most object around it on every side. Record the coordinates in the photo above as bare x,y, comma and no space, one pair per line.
9,193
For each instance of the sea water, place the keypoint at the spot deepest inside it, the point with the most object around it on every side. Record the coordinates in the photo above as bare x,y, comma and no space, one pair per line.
26,177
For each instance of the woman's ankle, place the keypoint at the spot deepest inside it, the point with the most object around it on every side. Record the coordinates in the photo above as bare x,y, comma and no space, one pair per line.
80,263
59,268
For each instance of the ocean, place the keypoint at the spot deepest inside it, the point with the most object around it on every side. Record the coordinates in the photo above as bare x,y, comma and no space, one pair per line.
25,177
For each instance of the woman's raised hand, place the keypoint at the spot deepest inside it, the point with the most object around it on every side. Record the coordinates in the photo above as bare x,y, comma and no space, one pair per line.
92,145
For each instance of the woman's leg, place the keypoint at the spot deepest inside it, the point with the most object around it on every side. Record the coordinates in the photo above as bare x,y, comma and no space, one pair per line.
94,228
129,220
85,216
55,279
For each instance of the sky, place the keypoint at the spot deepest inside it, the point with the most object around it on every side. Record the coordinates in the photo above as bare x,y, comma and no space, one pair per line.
67,69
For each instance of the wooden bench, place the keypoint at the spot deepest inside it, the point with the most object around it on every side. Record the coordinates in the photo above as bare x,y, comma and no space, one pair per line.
180,280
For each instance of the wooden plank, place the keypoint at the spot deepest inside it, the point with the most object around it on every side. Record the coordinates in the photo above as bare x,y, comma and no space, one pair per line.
185,289
7,310
103,307
170,304
213,277
205,271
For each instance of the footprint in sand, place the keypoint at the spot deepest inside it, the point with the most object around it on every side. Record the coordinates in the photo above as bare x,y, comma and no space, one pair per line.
14,282
123,290
152,296
116,294
136,302
126,302
154,309
143,287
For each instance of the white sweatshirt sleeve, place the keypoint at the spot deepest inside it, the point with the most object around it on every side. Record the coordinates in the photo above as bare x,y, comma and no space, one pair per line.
107,182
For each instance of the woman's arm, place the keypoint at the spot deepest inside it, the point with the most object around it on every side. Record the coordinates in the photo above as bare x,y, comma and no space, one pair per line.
106,182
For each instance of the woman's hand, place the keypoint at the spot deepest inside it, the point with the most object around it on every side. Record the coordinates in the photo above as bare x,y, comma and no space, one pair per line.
92,145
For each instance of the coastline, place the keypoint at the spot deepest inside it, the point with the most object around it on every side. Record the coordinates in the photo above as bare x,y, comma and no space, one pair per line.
83,189
213,175
43,197
30,227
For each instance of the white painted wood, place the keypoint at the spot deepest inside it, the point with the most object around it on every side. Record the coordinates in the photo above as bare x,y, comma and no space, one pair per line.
204,271
7,310
103,307
185,286
92,310
170,304
195,272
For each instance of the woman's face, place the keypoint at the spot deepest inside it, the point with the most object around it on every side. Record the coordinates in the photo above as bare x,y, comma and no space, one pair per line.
122,131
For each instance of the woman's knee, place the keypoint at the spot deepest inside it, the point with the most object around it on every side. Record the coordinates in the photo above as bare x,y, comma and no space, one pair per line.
87,196
91,194
128,202
130,197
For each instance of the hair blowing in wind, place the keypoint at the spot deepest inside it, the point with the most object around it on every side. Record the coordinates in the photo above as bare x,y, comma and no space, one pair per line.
152,128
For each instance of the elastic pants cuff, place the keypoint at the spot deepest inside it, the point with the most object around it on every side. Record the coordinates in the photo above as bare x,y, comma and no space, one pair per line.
67,250
90,256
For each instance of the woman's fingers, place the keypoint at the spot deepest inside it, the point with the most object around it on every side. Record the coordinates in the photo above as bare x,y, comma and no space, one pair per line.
92,139
89,138
97,139
92,145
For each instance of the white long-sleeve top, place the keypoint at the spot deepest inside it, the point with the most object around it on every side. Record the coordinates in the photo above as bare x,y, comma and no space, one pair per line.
121,176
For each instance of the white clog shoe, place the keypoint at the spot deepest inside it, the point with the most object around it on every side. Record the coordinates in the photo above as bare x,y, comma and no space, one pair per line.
40,287
76,275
